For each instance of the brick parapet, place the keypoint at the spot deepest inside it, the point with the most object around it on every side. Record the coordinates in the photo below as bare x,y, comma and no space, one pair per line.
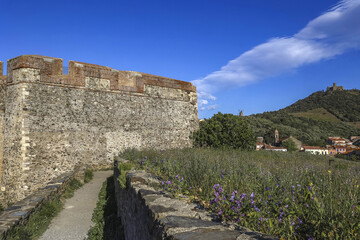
80,74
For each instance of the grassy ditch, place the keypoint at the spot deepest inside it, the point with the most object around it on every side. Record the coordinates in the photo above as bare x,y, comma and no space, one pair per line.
39,221
106,221
288,195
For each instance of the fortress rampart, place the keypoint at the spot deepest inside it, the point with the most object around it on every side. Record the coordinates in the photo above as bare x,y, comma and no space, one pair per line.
51,122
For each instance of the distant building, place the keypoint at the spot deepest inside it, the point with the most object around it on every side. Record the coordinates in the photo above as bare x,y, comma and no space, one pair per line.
259,145
354,138
297,142
315,150
337,149
334,88
272,148
336,141
357,143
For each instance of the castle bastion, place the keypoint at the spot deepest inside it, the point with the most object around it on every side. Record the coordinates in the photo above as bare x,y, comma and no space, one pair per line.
51,122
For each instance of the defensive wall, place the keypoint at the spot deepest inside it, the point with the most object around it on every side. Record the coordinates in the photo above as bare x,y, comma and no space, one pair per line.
51,122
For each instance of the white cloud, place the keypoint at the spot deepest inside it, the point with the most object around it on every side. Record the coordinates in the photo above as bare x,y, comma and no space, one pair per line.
203,102
332,33
210,107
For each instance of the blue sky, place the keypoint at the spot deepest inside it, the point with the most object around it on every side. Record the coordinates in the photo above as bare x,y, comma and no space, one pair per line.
255,56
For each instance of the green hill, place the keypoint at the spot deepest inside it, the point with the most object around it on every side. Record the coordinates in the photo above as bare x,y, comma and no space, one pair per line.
312,119
345,104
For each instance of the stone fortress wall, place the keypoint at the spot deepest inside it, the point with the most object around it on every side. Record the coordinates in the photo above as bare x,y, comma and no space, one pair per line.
51,122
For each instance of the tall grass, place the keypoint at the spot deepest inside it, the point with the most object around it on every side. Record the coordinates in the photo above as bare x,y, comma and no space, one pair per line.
289,195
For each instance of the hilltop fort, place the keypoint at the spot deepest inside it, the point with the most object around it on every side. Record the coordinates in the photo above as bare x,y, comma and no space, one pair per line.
51,122
334,88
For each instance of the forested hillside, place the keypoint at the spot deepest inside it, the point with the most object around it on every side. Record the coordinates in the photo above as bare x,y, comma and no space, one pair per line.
313,119
345,105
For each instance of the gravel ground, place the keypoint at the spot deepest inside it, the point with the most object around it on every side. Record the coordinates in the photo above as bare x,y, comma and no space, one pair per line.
74,221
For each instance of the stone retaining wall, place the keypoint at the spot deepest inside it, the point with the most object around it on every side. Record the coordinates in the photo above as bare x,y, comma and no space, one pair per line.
150,213
19,213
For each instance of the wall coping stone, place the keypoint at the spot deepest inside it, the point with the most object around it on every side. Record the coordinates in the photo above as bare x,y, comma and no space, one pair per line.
169,218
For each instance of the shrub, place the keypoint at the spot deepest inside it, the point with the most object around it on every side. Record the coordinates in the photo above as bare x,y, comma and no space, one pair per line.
224,130
290,145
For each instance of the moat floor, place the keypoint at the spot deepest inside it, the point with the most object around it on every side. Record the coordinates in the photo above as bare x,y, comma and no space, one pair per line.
74,221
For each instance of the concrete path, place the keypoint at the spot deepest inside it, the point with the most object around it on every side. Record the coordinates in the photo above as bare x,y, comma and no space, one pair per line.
74,221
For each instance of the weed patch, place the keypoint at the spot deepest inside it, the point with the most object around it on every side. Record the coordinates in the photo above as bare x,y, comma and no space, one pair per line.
38,222
89,174
104,216
123,168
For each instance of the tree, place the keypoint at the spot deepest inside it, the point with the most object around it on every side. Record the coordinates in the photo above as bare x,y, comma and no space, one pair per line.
224,130
290,145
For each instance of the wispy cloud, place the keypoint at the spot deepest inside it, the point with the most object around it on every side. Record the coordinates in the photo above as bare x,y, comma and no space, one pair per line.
332,33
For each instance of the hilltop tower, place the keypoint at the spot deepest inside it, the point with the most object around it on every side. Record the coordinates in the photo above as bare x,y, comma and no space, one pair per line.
335,88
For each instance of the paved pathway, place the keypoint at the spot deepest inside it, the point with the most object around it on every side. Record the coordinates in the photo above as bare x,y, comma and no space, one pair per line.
74,221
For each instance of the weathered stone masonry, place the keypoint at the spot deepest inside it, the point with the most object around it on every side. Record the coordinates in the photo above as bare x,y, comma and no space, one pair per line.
51,122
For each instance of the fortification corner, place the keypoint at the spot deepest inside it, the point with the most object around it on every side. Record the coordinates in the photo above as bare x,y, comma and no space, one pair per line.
54,121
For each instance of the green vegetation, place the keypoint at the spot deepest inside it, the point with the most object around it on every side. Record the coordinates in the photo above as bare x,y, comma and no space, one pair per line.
104,216
224,130
317,114
40,221
70,190
123,168
289,195
355,124
89,174
290,145
313,119
344,105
